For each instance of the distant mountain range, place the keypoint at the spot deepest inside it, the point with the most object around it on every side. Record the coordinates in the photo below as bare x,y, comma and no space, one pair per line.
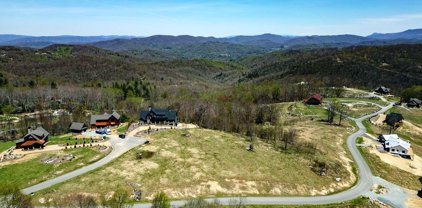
44,41
166,47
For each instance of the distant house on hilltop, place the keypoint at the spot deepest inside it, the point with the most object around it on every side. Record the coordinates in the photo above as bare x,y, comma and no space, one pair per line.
314,100
414,103
105,120
382,90
395,145
33,139
77,127
154,115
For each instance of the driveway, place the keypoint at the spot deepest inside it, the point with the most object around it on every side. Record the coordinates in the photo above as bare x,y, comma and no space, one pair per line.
120,146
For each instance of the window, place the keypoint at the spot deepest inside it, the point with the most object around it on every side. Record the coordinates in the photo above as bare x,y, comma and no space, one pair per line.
393,150
403,152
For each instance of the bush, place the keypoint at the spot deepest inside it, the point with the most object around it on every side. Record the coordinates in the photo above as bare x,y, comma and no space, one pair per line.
160,201
144,154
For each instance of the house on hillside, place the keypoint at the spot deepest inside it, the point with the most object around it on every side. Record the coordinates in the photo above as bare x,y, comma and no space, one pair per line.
314,100
414,103
33,139
77,127
394,144
105,120
394,119
154,115
382,90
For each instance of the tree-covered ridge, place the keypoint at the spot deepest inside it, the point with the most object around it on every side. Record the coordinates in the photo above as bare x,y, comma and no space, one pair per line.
396,66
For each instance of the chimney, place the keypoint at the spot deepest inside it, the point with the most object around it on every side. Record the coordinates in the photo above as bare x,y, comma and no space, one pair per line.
29,130
149,108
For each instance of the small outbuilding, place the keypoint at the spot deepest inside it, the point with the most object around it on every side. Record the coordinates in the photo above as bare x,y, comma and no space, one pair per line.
383,90
414,103
314,100
77,127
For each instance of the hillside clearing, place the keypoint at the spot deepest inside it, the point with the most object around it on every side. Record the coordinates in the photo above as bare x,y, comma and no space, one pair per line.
200,162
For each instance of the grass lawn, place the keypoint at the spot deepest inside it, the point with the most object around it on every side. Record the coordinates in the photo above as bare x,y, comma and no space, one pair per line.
354,100
122,129
213,163
34,171
360,202
359,110
6,145
389,172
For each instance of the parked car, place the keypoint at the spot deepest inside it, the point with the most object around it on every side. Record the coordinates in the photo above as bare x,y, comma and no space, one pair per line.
122,136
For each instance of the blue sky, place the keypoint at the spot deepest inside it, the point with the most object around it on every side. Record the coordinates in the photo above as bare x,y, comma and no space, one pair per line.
208,18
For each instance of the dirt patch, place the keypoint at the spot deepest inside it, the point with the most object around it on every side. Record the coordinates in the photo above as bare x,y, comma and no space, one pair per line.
379,119
414,201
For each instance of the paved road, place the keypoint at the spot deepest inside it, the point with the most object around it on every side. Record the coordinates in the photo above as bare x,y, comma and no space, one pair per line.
396,198
120,146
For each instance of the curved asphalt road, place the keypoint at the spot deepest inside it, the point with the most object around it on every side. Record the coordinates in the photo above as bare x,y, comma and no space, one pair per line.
120,146
363,186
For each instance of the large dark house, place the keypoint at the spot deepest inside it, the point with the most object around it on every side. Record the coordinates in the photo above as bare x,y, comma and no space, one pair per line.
105,120
414,103
77,127
314,100
382,90
154,115
393,119
33,139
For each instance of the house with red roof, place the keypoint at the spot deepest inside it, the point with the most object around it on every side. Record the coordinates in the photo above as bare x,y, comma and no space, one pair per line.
33,139
314,100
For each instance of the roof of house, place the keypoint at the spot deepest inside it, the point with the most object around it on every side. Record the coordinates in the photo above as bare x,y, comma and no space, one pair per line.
393,140
32,142
316,96
415,100
103,117
38,133
169,114
77,126
384,89
393,118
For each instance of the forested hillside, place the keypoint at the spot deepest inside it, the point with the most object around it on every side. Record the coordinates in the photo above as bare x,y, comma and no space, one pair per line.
88,65
395,66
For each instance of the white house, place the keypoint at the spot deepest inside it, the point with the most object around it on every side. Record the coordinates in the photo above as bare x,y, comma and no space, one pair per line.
394,144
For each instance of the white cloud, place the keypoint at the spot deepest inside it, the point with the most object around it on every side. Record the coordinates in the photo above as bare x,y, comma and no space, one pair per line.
391,19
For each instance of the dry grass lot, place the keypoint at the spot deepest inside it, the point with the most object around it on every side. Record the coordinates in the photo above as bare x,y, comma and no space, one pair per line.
357,110
200,162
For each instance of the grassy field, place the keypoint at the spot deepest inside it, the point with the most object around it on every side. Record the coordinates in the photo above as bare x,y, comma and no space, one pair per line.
389,172
359,110
34,171
354,100
199,162
360,202
6,145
